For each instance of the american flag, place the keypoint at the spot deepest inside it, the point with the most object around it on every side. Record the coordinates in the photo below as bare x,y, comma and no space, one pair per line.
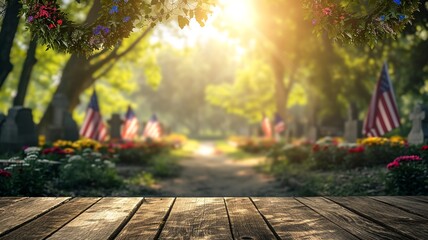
152,129
93,126
279,124
266,127
130,126
383,112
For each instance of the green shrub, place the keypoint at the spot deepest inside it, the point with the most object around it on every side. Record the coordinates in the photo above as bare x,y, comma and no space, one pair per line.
88,170
29,176
327,156
408,175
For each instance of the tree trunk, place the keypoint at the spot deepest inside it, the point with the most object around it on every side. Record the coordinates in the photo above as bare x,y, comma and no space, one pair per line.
24,80
7,34
281,95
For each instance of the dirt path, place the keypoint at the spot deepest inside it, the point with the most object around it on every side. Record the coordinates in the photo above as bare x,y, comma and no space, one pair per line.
207,174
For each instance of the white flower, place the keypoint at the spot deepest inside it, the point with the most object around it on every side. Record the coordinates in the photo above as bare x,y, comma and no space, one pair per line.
109,163
34,150
96,154
75,158
31,157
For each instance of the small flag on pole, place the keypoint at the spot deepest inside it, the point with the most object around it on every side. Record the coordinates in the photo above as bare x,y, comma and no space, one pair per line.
279,124
93,126
383,112
152,129
130,126
266,127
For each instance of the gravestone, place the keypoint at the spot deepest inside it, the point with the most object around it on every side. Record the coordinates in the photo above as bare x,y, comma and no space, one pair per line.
416,135
312,134
115,126
63,125
351,128
71,130
18,130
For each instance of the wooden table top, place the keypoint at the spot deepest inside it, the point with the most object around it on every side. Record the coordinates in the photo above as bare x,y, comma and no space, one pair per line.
214,218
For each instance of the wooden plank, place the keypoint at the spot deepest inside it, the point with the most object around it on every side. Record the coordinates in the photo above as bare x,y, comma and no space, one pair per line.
148,219
419,198
407,204
246,221
14,215
391,217
351,222
197,218
292,220
6,201
47,224
101,221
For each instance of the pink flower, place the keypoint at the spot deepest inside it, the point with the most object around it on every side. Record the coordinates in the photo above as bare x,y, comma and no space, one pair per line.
396,162
392,165
424,147
408,158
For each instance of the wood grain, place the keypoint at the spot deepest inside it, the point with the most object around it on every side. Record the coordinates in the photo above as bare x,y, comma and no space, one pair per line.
351,222
147,220
391,217
197,218
6,201
47,224
101,221
246,221
293,220
25,210
407,204
419,198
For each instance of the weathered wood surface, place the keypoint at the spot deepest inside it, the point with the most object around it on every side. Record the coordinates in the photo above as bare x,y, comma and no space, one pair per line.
214,218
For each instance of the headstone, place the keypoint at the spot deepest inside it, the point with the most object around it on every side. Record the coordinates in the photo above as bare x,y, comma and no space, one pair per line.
313,134
115,126
18,130
416,135
351,128
71,130
63,126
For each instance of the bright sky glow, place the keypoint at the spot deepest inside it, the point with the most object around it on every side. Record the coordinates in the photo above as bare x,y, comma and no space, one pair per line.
234,13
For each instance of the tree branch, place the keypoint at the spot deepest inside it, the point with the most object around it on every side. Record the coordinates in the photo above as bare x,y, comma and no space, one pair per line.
104,72
114,56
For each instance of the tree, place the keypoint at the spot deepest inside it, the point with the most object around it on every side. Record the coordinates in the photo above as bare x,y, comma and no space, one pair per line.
7,34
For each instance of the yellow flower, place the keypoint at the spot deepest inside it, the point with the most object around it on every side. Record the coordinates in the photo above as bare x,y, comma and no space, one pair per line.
42,140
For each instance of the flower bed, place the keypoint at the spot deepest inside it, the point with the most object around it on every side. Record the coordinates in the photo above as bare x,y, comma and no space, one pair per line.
407,164
73,167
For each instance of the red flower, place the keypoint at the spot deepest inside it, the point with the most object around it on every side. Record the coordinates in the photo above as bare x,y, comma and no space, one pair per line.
59,22
356,149
424,147
51,26
315,148
5,173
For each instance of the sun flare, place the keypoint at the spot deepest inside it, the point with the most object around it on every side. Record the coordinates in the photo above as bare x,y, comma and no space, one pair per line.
238,11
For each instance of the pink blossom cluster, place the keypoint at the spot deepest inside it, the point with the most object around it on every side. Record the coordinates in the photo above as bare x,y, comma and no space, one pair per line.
49,12
396,162
5,173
